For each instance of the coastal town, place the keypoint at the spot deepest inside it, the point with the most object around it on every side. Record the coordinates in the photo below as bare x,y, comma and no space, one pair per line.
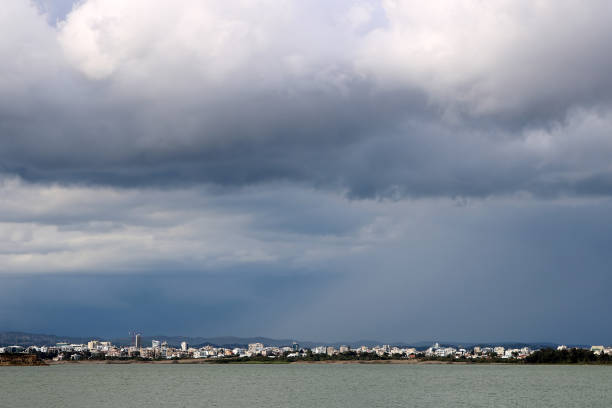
161,350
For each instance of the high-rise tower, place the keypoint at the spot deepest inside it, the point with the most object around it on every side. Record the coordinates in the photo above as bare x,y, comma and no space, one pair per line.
137,342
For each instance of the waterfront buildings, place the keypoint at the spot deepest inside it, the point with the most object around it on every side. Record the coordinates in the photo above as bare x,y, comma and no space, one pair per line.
96,349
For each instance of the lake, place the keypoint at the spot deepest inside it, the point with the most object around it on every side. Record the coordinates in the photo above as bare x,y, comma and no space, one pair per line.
305,385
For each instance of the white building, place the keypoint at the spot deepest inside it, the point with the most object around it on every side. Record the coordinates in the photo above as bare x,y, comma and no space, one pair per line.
256,348
597,349
319,350
445,352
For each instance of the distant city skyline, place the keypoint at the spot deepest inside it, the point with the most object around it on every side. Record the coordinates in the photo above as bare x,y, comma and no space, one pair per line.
291,351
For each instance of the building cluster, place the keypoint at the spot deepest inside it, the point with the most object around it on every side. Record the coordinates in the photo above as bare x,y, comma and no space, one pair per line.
597,350
161,350
478,352
157,350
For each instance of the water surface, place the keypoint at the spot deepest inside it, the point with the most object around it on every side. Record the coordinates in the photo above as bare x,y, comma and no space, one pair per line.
305,385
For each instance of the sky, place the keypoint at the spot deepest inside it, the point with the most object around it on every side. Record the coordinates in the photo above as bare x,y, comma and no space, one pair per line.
394,170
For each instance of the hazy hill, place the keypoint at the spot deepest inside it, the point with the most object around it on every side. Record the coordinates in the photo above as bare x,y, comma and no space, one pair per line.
28,339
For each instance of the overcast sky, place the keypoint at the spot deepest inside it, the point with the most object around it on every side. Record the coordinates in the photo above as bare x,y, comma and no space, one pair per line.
330,170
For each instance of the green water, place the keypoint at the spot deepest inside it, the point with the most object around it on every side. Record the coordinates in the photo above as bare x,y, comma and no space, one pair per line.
332,385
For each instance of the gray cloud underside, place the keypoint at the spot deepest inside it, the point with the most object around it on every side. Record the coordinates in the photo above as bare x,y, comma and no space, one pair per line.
355,112
405,270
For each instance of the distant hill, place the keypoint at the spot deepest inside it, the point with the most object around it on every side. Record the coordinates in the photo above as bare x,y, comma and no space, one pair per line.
29,339
228,341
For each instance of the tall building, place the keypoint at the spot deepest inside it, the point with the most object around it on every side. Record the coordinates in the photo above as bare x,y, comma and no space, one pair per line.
137,343
184,346
155,344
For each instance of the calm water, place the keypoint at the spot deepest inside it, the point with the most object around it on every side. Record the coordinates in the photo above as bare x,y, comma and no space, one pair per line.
305,386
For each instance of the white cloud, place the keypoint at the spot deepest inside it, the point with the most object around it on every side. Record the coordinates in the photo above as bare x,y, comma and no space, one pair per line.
473,56
487,57
209,41
28,50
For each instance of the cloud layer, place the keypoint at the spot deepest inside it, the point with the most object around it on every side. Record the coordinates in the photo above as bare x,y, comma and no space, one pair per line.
378,99
287,261
366,157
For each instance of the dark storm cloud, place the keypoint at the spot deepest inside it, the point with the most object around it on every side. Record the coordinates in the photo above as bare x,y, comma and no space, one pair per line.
356,113
205,302
493,272
201,159
531,272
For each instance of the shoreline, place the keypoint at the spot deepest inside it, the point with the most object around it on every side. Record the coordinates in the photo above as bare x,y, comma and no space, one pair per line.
272,362
45,363
48,363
